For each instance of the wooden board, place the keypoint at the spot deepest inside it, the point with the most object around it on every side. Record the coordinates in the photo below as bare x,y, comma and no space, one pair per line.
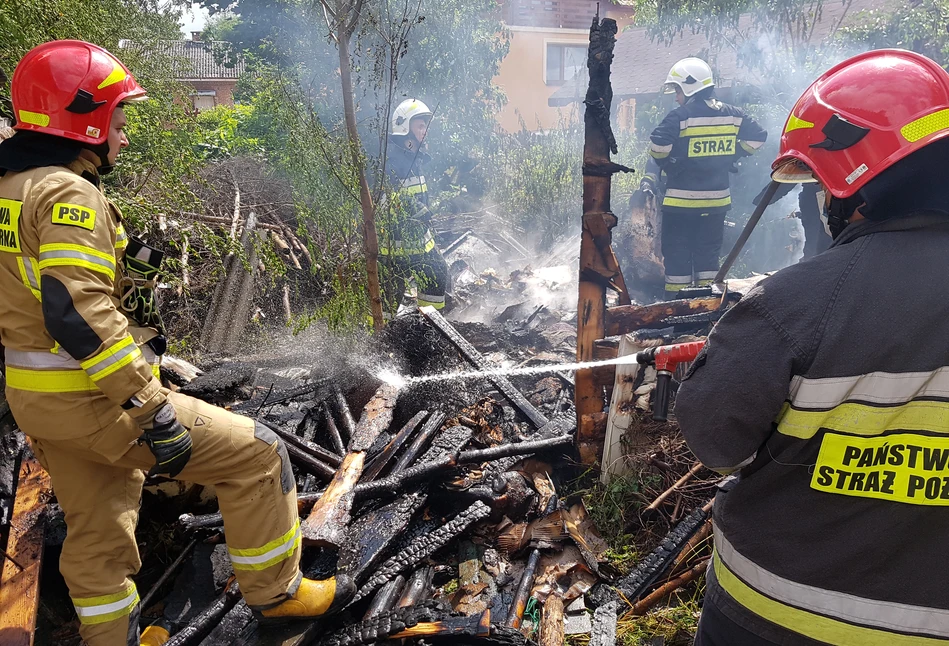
619,422
624,319
20,589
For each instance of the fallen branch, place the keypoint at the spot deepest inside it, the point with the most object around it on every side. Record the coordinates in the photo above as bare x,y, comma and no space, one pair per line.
168,572
655,504
668,588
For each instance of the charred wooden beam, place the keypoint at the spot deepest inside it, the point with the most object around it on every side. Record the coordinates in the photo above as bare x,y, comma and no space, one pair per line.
424,547
429,429
591,434
270,399
308,463
203,623
478,361
326,524
624,319
387,624
381,461
386,598
371,535
514,449
345,416
20,578
598,267
516,612
332,432
418,588
171,569
502,459
475,625
311,448
634,585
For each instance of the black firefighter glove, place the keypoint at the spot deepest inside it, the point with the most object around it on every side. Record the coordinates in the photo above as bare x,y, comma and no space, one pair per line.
168,440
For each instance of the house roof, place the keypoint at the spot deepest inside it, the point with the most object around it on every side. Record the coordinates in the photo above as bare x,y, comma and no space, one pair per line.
640,64
197,60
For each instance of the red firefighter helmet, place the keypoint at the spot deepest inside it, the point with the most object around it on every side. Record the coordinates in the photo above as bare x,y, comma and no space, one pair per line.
70,88
861,117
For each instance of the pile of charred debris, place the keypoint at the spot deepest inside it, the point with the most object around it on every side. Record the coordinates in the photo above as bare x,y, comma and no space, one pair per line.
453,504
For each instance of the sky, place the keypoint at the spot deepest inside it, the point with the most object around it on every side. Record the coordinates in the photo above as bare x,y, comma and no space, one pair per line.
194,19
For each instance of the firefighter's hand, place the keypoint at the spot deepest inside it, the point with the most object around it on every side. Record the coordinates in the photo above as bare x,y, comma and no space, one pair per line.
168,440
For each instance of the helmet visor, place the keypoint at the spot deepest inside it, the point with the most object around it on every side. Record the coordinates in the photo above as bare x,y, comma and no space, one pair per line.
669,88
793,171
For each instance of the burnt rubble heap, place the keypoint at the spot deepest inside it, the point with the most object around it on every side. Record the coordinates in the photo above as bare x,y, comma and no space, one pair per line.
453,493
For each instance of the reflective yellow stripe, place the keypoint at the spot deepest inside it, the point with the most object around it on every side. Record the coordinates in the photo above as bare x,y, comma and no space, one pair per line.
655,154
696,131
156,370
811,625
112,359
30,276
121,239
261,558
867,421
100,610
415,190
925,126
696,204
74,255
49,381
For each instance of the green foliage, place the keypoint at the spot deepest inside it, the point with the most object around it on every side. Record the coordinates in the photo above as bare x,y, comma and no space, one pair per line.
919,26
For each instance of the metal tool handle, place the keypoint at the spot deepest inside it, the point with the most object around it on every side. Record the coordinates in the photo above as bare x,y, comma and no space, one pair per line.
746,232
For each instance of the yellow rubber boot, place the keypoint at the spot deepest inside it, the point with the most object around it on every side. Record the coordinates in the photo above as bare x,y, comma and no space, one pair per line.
155,636
313,599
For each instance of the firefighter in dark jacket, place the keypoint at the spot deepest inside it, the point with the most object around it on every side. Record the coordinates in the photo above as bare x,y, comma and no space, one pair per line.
826,388
406,242
696,146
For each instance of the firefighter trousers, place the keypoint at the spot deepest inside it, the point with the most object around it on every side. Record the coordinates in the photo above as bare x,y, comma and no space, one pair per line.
98,481
691,244
430,272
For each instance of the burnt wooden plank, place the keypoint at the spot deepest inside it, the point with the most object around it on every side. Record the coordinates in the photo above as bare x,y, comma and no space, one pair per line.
624,319
478,361
20,579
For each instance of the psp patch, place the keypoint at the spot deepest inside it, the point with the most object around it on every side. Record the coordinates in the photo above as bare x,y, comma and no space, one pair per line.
74,215
9,225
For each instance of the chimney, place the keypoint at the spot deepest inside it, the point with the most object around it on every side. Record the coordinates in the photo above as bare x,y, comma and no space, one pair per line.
196,36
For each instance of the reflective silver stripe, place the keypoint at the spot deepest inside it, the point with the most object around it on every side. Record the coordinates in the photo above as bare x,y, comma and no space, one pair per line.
77,255
872,388
31,269
287,546
887,615
61,360
679,280
754,145
41,360
431,298
696,195
691,122
705,275
398,244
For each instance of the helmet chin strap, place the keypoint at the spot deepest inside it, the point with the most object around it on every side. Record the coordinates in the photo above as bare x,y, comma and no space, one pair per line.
102,152
837,213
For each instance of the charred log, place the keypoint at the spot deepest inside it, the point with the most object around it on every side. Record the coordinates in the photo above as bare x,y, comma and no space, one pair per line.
423,548
420,442
373,533
202,625
381,461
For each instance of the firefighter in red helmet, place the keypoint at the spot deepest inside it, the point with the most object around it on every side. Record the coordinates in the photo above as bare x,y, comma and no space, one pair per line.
826,388
83,341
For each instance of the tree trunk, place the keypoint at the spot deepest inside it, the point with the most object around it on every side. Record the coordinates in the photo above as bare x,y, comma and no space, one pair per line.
370,239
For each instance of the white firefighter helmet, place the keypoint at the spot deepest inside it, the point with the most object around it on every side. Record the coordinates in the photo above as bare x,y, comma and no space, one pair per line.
403,115
690,74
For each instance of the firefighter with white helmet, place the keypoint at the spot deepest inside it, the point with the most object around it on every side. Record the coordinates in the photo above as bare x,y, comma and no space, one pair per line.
696,146
406,242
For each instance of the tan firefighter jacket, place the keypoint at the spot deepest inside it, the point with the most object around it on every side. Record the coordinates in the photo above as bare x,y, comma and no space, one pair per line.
69,346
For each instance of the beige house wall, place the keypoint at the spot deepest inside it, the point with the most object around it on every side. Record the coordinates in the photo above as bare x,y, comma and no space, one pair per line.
521,77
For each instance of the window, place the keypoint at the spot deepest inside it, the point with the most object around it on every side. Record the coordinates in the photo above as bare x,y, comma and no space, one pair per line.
564,62
204,99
